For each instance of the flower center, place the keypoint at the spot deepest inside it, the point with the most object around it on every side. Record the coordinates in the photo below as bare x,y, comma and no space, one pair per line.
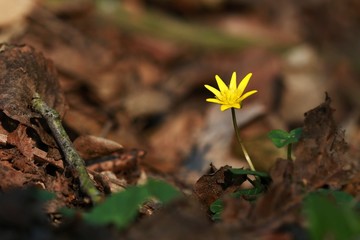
230,96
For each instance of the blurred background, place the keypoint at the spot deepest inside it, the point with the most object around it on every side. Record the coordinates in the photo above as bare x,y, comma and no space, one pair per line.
133,71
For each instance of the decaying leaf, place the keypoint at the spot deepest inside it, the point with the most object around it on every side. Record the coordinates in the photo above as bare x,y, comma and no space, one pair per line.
215,184
320,153
91,146
23,71
125,164
29,154
22,141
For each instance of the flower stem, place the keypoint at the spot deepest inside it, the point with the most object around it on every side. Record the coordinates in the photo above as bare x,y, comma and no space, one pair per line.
247,157
289,152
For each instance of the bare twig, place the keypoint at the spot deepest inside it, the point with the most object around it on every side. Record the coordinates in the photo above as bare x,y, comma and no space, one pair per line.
71,156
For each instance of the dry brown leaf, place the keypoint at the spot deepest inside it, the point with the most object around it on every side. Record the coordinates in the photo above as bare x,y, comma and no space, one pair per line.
22,141
23,71
91,147
215,184
320,153
124,164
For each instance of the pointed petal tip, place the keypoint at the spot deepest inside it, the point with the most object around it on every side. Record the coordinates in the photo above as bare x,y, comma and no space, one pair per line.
222,86
233,82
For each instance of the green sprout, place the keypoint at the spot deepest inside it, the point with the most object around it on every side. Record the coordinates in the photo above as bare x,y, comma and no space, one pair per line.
281,138
231,97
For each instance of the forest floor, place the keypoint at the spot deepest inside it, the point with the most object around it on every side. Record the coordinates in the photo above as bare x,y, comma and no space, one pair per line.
127,79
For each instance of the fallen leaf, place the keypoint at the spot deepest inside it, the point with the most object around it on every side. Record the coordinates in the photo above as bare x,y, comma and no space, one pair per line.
22,141
91,146
215,184
320,152
24,72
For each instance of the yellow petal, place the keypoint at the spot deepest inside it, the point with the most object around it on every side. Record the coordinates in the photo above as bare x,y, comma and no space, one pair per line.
248,94
214,100
237,105
227,106
222,86
233,82
243,84
213,90
224,107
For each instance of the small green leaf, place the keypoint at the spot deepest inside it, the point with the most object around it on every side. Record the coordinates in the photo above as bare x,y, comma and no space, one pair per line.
340,197
161,190
329,220
121,208
44,195
216,208
278,133
242,171
278,137
67,212
296,134
281,138
249,192
216,216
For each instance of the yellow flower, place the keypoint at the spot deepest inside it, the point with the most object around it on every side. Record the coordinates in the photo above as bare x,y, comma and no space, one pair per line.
232,96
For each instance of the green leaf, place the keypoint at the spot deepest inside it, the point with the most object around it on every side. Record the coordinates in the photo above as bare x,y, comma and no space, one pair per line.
216,216
296,134
161,190
121,208
281,138
241,171
67,212
329,219
340,197
249,192
44,196
278,137
216,208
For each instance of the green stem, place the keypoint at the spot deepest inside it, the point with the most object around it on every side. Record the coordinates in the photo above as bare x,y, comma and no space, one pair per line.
71,156
289,152
247,157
